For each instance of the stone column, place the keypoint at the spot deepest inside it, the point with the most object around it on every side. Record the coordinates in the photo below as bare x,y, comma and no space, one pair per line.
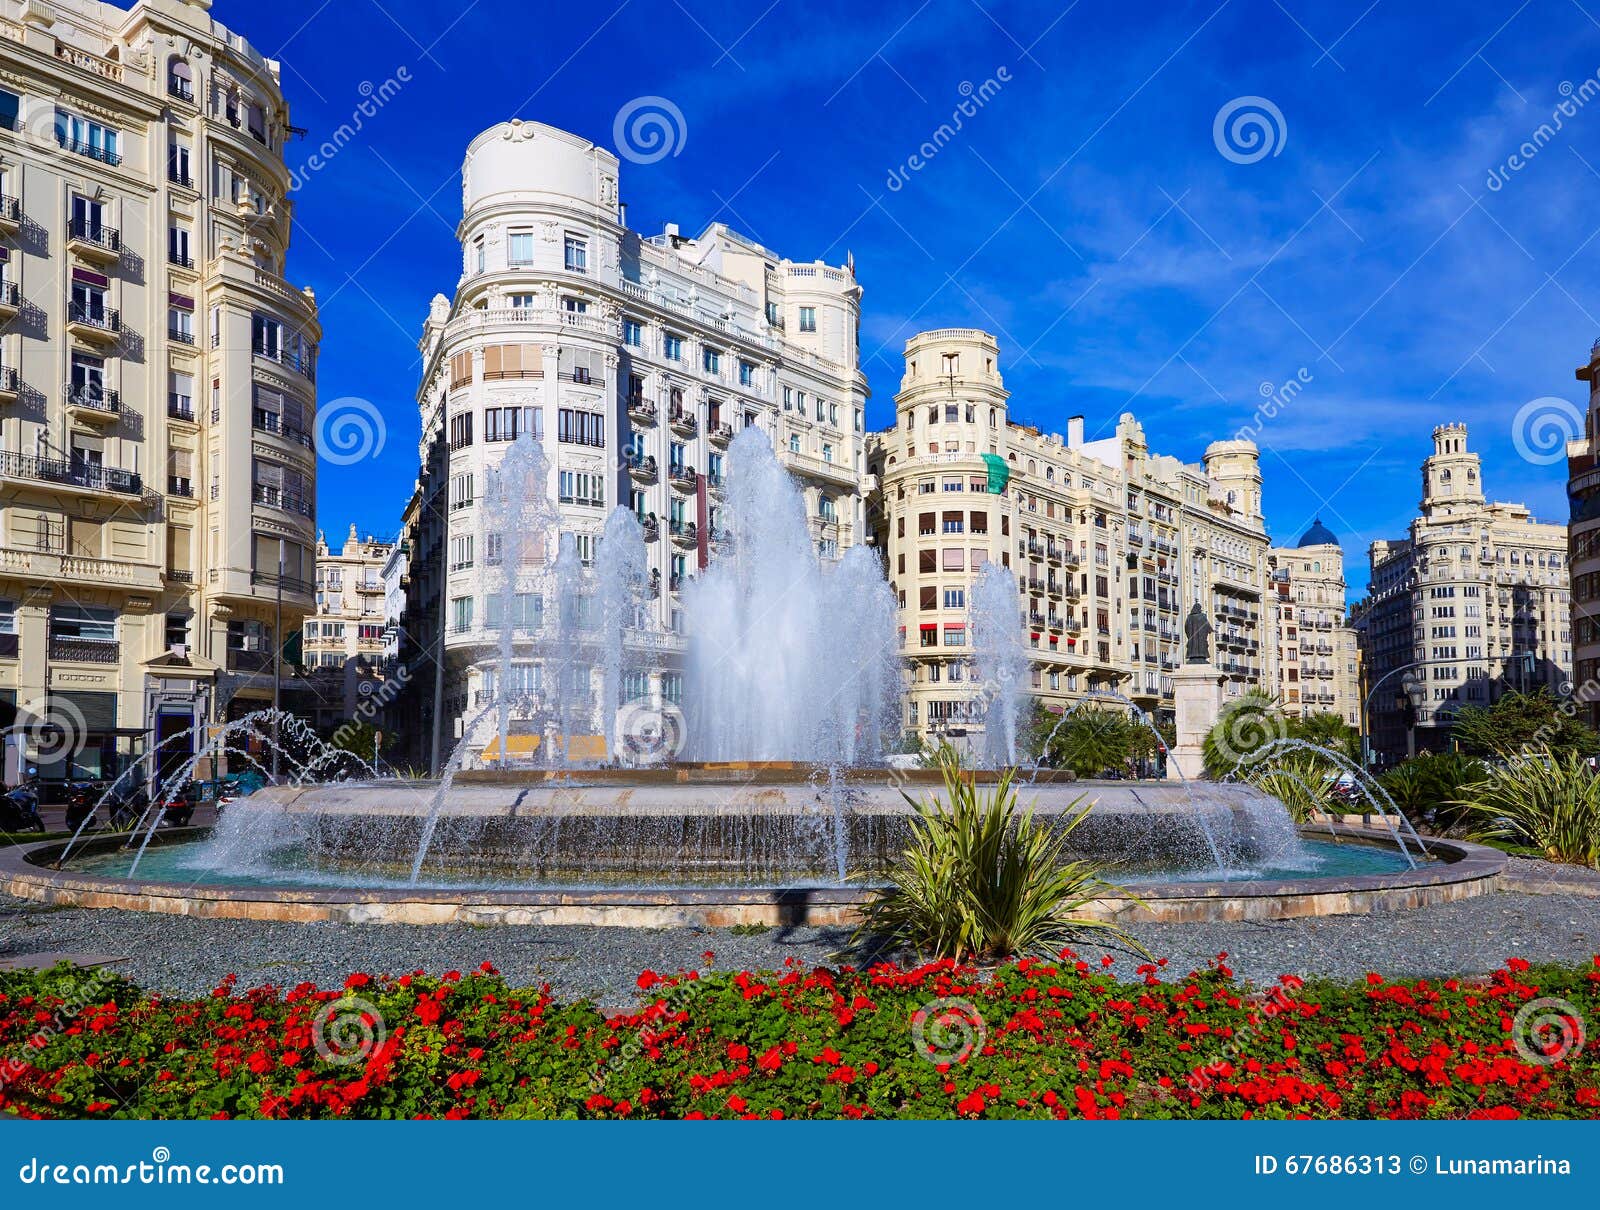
1197,699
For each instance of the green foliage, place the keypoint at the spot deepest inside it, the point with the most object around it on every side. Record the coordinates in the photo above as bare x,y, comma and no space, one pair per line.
1521,722
1092,740
1246,725
1548,801
1328,730
1302,781
1066,1038
1430,787
982,880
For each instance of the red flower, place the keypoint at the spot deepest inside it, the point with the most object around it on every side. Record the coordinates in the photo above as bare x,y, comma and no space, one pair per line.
648,980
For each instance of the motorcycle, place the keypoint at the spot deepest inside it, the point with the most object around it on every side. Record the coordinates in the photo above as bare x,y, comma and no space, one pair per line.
124,804
19,809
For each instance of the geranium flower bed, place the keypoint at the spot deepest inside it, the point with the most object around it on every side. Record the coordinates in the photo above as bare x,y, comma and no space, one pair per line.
1067,1039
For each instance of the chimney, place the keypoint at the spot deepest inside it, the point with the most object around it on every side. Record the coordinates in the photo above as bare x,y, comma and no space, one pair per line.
1074,432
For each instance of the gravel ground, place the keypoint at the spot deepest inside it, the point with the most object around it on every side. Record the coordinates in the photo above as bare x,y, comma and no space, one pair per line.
184,954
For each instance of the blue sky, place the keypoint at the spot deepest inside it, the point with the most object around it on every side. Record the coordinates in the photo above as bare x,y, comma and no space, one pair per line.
1086,213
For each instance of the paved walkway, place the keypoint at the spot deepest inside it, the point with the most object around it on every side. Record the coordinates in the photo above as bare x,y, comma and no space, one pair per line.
1559,921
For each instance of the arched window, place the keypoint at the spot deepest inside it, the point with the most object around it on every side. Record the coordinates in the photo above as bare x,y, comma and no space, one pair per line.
180,80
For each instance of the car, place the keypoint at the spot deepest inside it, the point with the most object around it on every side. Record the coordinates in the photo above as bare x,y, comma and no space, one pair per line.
178,807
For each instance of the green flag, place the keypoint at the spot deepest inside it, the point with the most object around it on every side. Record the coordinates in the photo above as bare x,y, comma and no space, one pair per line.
999,473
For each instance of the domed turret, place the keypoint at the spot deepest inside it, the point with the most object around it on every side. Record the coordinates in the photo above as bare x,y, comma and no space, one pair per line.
1318,535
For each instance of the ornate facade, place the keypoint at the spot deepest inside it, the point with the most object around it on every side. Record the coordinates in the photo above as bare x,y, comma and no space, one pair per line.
1316,668
1110,543
634,359
1472,603
157,374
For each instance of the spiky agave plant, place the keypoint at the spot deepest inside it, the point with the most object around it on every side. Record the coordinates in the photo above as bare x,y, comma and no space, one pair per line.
981,879
1546,801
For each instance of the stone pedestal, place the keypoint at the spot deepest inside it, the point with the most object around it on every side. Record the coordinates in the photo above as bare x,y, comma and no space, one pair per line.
1197,701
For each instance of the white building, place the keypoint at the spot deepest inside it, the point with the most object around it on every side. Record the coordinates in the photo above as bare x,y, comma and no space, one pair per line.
634,359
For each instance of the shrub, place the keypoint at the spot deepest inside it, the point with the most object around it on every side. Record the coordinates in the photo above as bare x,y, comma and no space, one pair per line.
1244,727
1302,781
981,879
1092,740
1431,787
1065,1038
1549,802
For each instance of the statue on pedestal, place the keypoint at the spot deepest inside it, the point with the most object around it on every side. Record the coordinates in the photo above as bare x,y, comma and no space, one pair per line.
1197,636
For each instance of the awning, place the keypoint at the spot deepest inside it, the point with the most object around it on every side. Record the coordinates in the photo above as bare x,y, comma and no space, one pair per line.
521,747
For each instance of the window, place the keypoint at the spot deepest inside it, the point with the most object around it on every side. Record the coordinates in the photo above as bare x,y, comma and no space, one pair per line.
522,302
179,170
461,431
632,333
83,137
178,248
955,598
580,487
747,374
711,361
460,613
581,428
10,108
794,443
461,552
520,245
577,254
672,347
177,630
808,319
83,622
460,369
180,324
502,362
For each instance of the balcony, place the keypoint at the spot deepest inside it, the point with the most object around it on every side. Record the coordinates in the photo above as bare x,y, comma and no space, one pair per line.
683,478
303,366
10,382
275,497
181,89
89,151
91,401
641,411
181,260
651,527
95,324
178,485
10,299
10,214
94,241
270,422
250,662
184,336
53,567
85,651
717,485
85,475
720,434
684,533
180,408
684,423
642,468
183,179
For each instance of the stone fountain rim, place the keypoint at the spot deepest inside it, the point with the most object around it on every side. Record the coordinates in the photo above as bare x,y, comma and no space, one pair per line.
1460,870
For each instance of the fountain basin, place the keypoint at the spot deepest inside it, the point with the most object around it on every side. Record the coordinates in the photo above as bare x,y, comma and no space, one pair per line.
1457,871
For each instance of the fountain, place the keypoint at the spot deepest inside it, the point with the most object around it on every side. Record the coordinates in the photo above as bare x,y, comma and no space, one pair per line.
784,810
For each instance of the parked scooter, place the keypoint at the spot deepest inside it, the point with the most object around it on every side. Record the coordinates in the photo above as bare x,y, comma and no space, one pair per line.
19,808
